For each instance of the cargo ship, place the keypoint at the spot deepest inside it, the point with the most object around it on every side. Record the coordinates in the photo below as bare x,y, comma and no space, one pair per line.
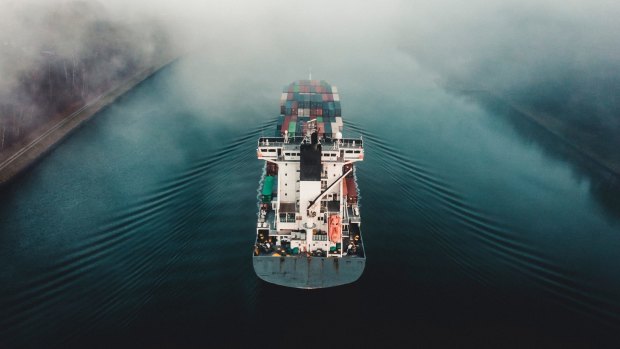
308,228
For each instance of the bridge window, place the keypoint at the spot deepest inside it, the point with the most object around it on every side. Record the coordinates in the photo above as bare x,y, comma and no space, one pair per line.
290,217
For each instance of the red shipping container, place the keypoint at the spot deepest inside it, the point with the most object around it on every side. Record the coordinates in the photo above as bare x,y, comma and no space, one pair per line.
287,120
313,112
289,96
320,127
325,97
351,189
319,112
294,104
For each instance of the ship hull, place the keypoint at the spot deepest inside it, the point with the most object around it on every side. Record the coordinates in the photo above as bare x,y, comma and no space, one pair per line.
308,223
309,272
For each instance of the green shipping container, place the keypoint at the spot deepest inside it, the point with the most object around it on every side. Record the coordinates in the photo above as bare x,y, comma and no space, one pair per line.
292,126
319,119
267,189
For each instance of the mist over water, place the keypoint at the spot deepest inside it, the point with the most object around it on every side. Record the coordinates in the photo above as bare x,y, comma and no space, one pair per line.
137,230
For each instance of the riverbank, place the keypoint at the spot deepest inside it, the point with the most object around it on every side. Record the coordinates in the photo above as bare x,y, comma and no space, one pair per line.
22,157
568,134
578,140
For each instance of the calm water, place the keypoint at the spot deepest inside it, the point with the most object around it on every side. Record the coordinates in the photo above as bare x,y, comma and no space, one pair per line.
138,229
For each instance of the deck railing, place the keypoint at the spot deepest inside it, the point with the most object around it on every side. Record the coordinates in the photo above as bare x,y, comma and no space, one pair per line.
293,143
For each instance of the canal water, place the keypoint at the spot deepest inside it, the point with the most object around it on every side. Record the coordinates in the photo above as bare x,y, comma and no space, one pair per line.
138,229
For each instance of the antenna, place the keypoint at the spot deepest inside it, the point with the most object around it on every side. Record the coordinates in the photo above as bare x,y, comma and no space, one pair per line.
310,74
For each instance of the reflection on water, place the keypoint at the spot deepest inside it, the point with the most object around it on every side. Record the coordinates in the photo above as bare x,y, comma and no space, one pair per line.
138,230
604,184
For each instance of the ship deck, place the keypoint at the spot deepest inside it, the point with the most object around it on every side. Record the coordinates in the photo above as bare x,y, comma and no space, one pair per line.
351,246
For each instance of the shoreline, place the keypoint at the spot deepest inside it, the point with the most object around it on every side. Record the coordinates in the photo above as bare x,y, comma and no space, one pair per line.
54,133
557,129
562,132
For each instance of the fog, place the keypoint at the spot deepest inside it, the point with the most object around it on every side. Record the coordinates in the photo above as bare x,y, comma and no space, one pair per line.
559,59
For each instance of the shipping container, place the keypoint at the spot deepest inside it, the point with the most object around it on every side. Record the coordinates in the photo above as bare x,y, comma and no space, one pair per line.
285,125
351,189
311,100
268,189
292,127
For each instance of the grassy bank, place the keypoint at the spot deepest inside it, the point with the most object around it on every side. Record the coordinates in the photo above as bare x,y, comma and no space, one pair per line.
21,156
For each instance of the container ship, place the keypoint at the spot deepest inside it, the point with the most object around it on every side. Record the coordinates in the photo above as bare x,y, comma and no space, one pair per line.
308,229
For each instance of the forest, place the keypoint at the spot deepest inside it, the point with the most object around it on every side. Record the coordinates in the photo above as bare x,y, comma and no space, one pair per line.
55,60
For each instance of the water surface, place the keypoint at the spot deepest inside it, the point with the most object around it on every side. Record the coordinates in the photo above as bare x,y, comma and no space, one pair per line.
137,230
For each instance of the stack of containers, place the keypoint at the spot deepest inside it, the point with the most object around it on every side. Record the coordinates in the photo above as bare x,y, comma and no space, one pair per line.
306,100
